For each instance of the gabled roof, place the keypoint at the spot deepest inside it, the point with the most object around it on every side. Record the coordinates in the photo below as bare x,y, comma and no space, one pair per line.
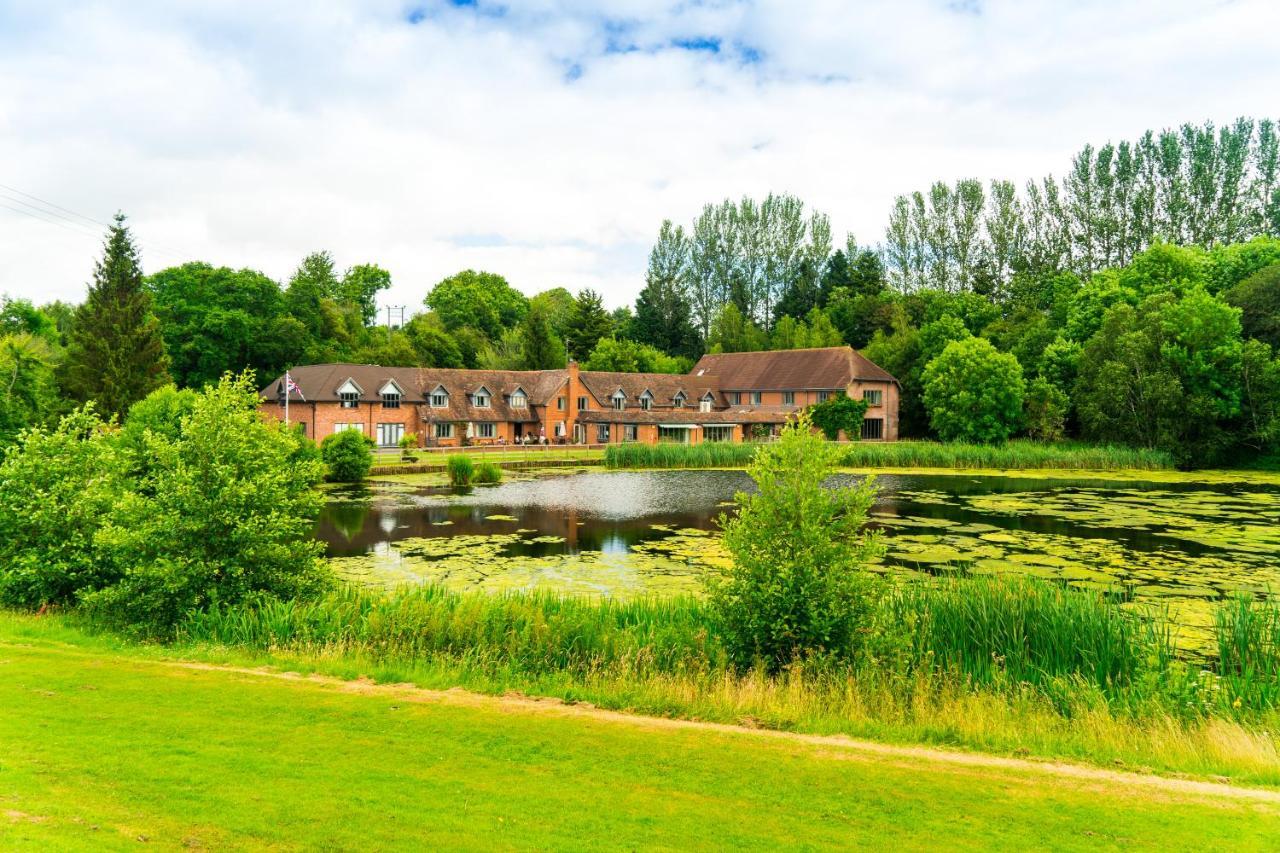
790,370
663,387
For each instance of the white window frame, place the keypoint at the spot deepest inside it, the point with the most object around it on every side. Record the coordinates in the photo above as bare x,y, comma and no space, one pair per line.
444,430
646,401
678,400
482,394
489,427
619,400
788,398
519,399
395,428
337,428
873,397
823,396
440,398
630,432
602,433
755,398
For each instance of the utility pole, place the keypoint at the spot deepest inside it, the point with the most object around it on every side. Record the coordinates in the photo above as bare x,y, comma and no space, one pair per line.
390,308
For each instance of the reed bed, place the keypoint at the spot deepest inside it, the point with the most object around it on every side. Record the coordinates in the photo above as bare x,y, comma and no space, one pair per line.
1008,637
487,473
460,469
1017,454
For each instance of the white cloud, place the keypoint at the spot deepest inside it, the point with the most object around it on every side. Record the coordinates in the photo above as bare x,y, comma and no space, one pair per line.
547,143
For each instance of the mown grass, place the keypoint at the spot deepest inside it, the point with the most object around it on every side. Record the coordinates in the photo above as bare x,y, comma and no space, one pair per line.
1017,454
109,747
1009,665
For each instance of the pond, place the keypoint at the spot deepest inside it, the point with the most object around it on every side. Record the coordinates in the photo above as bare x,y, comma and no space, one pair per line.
1178,539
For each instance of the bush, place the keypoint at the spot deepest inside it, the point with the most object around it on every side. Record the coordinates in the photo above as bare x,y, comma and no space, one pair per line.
973,392
839,413
223,513
487,473
349,456
461,470
798,585
408,443
1045,411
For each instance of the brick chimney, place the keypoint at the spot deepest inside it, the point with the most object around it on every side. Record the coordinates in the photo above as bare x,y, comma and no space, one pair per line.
573,390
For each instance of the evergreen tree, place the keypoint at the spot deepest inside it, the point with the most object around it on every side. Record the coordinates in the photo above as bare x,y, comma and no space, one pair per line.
540,349
589,324
662,319
115,353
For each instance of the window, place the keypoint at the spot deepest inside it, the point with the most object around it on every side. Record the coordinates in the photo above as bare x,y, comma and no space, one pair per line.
560,427
873,398
559,404
444,430
736,398
704,405
619,401
349,399
439,398
788,398
337,428
873,428
602,433
823,395
718,433
755,398
582,404
678,400
486,430
630,432
480,399
646,401
391,401
389,435
519,400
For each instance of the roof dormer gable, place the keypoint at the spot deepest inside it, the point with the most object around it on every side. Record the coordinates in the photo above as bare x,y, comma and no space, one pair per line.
350,387
391,388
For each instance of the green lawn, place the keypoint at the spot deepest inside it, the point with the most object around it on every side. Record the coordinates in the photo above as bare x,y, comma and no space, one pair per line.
101,748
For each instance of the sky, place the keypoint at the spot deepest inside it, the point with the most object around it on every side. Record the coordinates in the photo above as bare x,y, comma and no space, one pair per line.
547,140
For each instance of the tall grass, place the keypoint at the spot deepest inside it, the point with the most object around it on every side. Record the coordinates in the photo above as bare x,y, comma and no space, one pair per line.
711,454
488,473
461,469
1248,634
1018,454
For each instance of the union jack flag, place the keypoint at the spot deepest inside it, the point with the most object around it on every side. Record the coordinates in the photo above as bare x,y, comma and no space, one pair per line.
291,387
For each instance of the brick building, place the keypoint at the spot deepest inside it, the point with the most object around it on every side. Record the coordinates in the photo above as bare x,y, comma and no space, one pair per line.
725,397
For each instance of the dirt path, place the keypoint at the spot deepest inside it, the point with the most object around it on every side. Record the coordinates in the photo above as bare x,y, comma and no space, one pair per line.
838,744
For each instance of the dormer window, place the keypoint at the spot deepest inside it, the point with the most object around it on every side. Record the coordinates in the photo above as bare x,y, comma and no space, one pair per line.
439,398
480,399
678,400
390,394
519,399
646,401
619,400
704,405
349,395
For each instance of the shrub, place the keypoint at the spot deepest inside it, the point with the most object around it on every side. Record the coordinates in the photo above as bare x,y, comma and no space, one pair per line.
487,473
408,443
461,470
1045,411
839,413
798,584
349,456
973,392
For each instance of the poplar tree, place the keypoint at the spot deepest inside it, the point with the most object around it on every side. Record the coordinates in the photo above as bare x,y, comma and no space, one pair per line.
115,352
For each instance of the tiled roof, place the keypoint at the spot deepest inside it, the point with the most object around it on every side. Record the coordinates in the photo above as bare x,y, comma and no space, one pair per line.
769,415
663,387
320,382
789,370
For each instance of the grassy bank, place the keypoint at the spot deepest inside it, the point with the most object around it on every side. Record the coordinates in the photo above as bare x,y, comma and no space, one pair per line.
237,760
1009,666
1018,454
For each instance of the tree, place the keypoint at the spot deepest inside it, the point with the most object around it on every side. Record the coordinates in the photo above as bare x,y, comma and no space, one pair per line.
115,352
589,323
312,299
798,585
1259,427
1258,298
540,348
623,356
480,300
733,332
432,345
215,319
839,414
1045,410
663,317
348,455
19,317
558,305
974,392
28,390
360,287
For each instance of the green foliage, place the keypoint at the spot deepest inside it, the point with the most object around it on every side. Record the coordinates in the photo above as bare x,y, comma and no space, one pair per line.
216,319
973,392
588,324
663,317
798,585
622,356
1044,410
731,331
480,300
432,345
540,348
161,412
115,352
1014,454
348,456
487,473
839,414
360,287
461,470
1258,298
222,512
708,454
28,388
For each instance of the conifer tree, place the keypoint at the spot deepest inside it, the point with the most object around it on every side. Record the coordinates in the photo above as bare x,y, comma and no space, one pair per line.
589,323
115,353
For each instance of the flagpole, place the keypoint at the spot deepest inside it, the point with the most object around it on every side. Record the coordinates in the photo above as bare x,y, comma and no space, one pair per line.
287,380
